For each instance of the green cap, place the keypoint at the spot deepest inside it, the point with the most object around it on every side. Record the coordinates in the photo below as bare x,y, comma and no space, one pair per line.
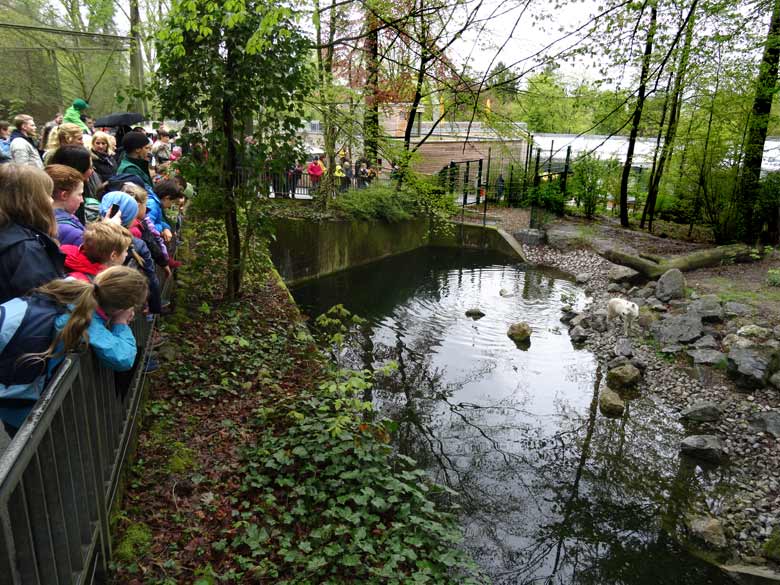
80,104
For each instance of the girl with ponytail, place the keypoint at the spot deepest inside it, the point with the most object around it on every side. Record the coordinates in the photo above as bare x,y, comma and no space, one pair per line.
62,316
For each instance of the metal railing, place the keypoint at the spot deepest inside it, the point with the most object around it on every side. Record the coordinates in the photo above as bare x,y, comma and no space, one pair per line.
59,475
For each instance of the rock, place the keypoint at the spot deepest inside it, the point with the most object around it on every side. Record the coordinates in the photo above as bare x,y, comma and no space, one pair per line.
623,347
581,320
766,422
610,403
732,309
776,331
775,380
568,313
646,319
678,329
655,304
623,377
706,342
709,357
708,530
708,308
678,303
638,364
673,348
622,274
505,293
578,334
638,301
754,331
530,236
706,447
734,341
519,332
582,278
169,352
617,362
613,288
749,368
704,411
599,323
670,286
475,314
645,293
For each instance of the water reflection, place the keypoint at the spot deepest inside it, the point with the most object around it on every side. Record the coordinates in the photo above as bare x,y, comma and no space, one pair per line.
551,491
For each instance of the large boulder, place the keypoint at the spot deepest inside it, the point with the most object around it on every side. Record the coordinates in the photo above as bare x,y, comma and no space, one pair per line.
754,332
623,347
704,411
582,278
520,332
706,447
749,368
624,377
678,329
670,286
621,274
475,314
706,342
766,422
611,404
708,530
708,308
732,309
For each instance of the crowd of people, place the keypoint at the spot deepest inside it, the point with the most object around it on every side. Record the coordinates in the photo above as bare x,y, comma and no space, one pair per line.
361,175
83,233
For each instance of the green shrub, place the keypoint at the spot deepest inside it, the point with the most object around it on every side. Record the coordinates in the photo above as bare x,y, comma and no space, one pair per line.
773,277
378,201
548,196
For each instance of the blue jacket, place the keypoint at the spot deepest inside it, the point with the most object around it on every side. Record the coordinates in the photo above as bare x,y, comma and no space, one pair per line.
154,211
70,229
28,259
28,325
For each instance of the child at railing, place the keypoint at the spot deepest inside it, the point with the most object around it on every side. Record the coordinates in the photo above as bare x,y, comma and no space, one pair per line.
37,330
29,255
105,245
67,197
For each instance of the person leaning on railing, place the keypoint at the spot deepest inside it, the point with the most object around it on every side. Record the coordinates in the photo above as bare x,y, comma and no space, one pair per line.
61,316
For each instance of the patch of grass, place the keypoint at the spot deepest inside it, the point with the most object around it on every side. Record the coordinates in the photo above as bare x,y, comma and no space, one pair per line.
772,546
729,290
134,544
585,234
773,277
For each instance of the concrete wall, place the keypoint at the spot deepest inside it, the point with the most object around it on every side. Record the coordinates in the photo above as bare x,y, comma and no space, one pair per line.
304,249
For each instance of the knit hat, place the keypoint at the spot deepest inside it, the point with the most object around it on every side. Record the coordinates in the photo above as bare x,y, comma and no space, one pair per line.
127,206
133,141
80,104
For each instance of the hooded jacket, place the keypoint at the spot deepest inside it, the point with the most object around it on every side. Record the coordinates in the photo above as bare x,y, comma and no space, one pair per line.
69,229
137,167
79,266
154,211
104,165
23,150
73,116
28,259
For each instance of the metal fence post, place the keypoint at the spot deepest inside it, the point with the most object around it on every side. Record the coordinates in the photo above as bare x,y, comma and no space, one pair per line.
564,178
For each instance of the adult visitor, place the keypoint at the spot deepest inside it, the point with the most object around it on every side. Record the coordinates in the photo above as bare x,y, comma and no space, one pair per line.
23,149
136,161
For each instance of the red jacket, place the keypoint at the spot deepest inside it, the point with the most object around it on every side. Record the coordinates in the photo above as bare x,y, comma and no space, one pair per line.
78,265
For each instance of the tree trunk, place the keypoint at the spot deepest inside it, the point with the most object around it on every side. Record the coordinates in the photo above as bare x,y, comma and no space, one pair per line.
674,116
136,57
759,122
692,261
371,117
229,186
658,138
640,103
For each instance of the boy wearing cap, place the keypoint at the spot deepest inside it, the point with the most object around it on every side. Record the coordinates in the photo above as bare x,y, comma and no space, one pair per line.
73,114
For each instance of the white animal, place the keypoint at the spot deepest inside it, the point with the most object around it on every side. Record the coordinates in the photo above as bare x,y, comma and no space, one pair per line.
624,309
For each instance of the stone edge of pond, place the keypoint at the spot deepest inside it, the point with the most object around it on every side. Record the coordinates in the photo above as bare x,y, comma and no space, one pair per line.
677,390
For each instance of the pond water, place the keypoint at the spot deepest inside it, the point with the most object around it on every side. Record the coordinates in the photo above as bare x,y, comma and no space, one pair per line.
550,490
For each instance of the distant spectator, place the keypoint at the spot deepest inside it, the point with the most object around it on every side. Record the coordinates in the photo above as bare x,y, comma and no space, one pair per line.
103,160
161,149
74,112
29,255
315,174
58,318
5,142
67,197
50,125
66,134
136,147
23,149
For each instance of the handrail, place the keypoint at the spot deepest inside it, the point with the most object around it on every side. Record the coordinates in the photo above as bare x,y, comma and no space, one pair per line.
60,474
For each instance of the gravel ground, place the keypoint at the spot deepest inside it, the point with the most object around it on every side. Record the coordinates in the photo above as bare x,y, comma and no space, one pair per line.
751,511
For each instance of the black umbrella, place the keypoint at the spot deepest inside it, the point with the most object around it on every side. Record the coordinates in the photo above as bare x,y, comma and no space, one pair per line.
120,119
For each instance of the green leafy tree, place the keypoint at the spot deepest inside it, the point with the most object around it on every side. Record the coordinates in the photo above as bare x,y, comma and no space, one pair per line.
237,68
588,183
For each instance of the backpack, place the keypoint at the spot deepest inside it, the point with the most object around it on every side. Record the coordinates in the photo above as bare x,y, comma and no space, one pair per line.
91,209
151,242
